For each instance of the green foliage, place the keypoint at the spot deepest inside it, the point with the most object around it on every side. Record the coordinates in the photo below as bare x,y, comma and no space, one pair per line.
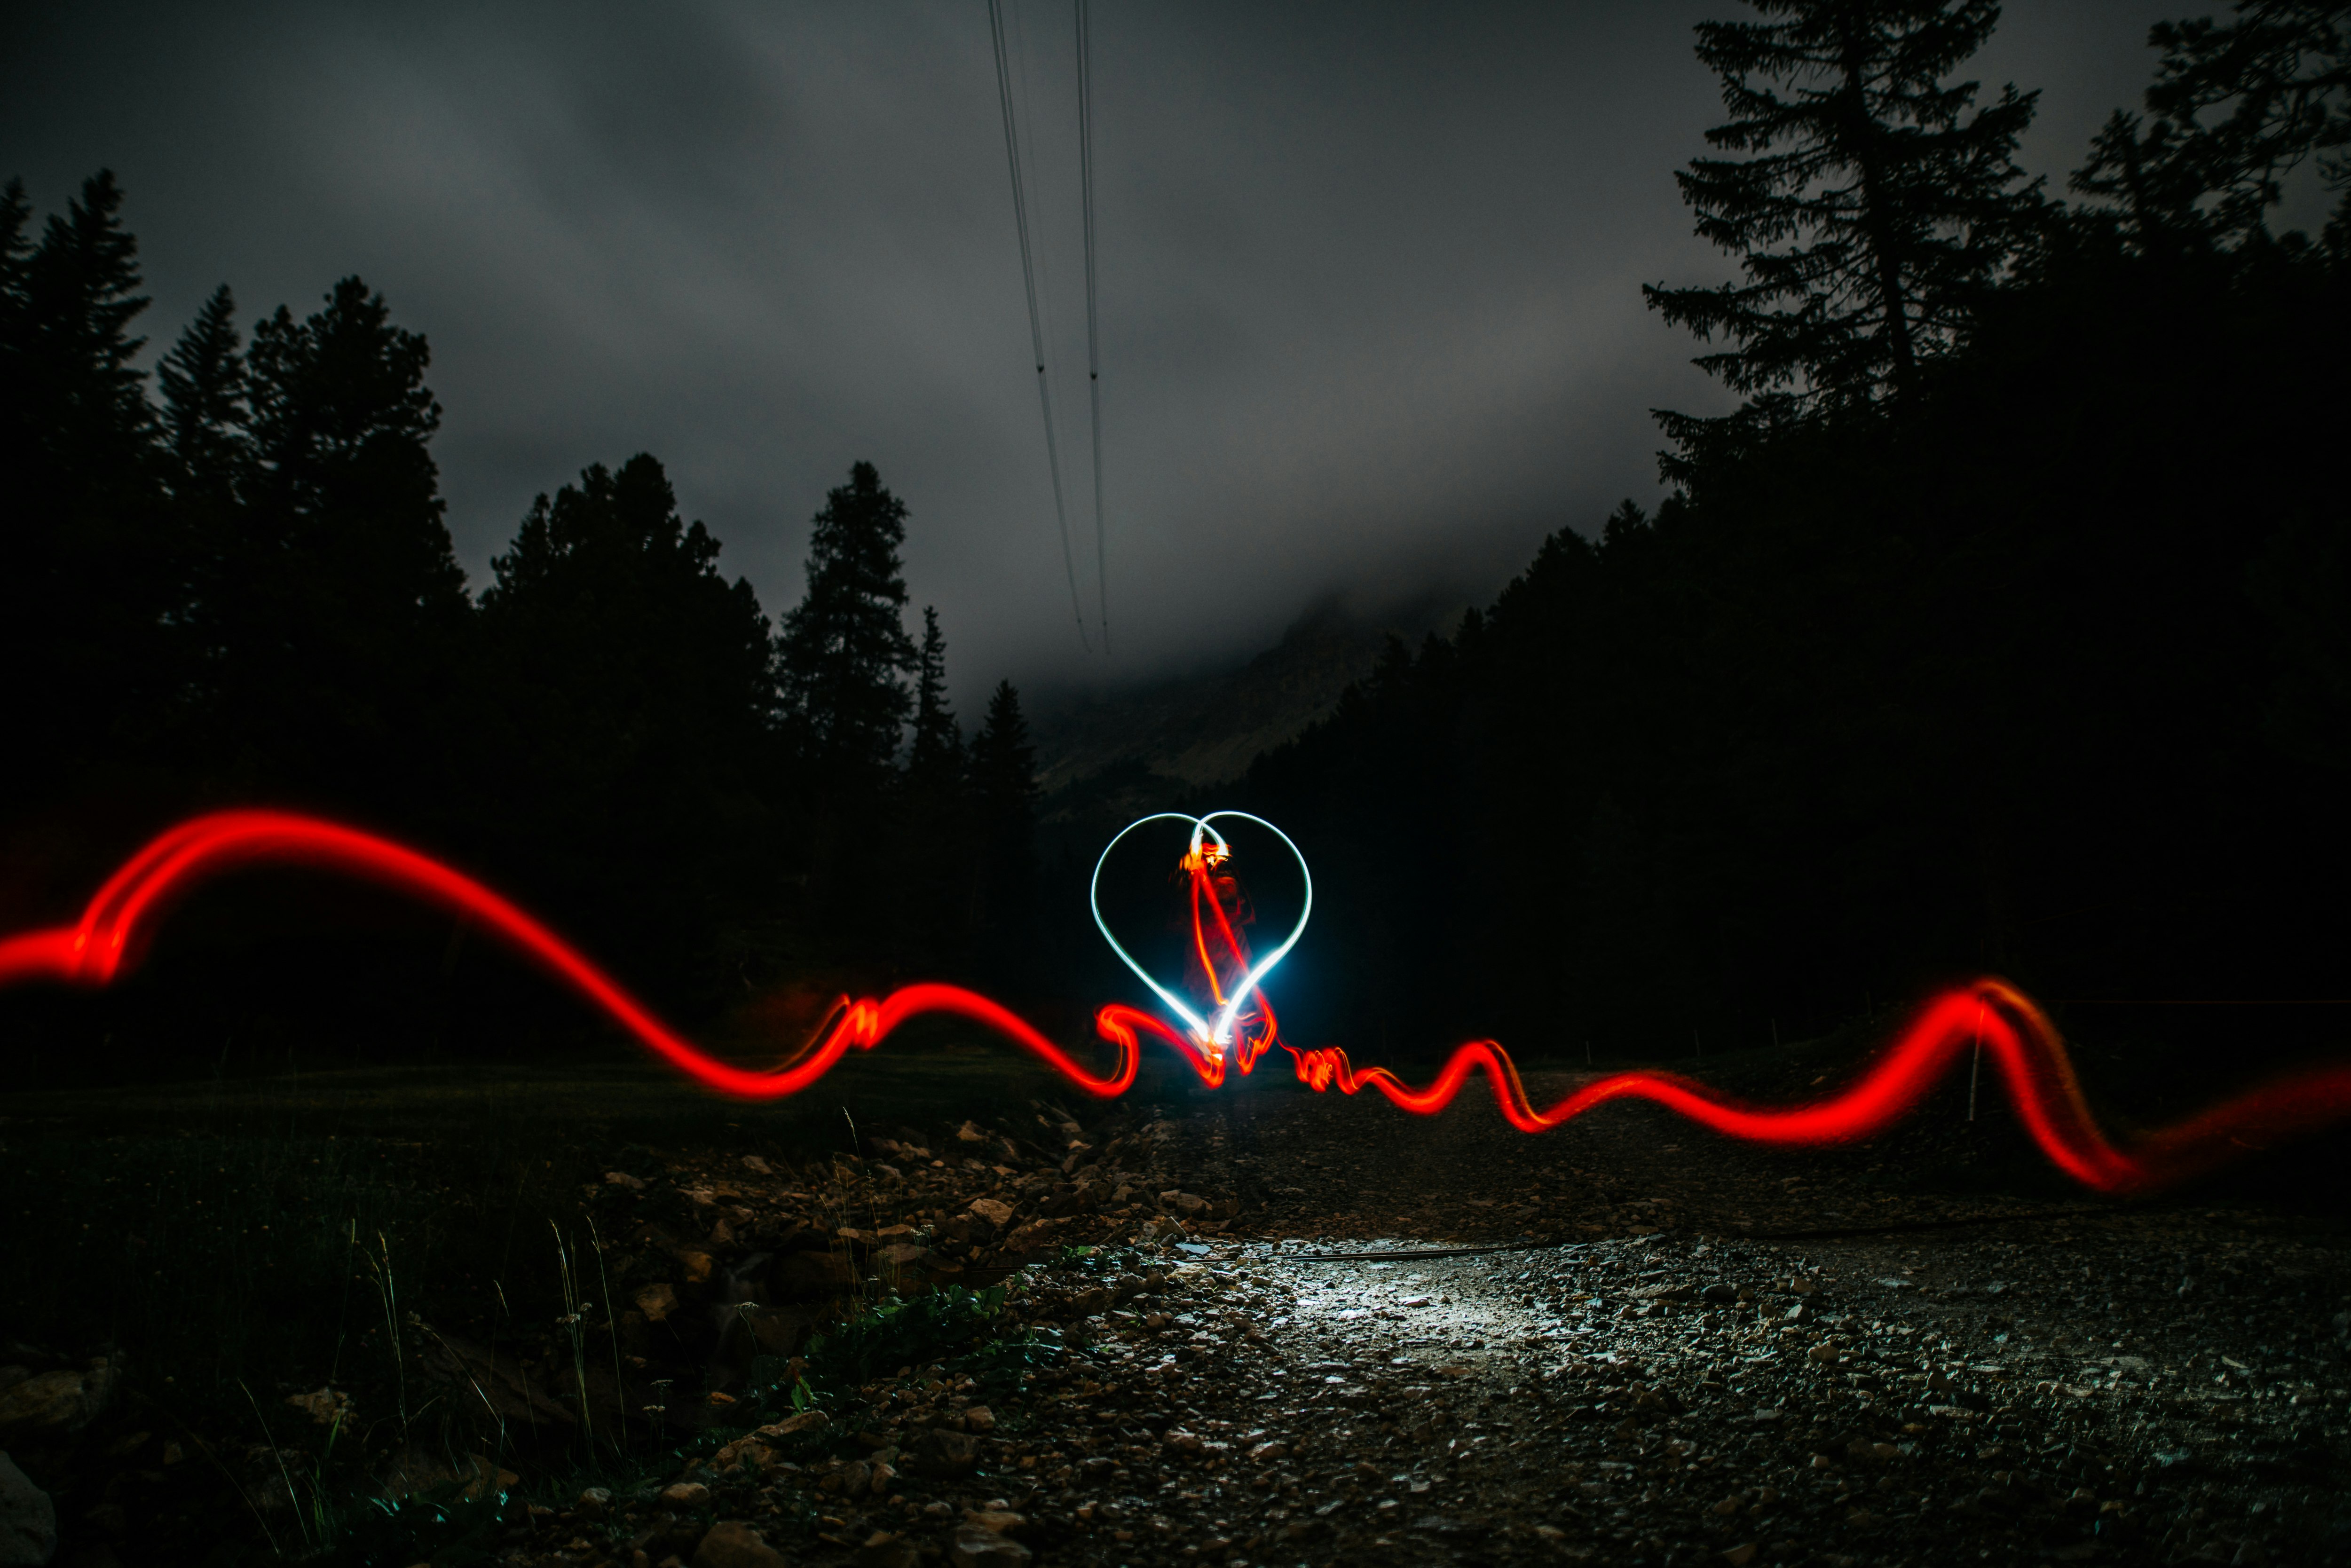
439,1525
998,1366
910,1331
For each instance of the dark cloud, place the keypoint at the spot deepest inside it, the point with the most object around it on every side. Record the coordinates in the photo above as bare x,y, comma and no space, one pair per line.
1369,275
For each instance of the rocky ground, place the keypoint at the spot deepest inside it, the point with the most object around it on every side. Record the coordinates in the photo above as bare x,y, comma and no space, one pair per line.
1276,1329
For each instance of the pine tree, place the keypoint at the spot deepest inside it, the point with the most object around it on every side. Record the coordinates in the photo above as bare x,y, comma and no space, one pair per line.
85,576
343,608
1004,808
2154,188
632,690
342,417
937,750
70,353
208,466
613,631
205,417
935,859
1871,209
845,652
1004,761
15,254
2278,77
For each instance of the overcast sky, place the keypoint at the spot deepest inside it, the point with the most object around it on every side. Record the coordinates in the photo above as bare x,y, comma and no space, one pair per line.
1369,301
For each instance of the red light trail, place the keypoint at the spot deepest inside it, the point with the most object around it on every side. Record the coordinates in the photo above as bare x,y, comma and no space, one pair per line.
2024,1045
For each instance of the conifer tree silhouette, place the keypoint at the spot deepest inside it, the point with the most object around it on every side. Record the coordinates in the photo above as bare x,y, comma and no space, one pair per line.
633,691
2234,108
844,654
938,749
1872,207
343,610
1004,807
936,858
86,580
205,415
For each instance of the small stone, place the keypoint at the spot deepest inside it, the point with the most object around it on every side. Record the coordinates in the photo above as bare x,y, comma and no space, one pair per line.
883,1550
947,1452
28,1520
995,1211
685,1494
754,1162
45,1402
806,1421
594,1503
487,1477
1000,1520
656,1302
325,1408
974,1547
1742,1554
748,1451
734,1545
622,1178
979,1418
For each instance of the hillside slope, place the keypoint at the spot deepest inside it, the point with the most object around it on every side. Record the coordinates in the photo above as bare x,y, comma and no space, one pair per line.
1206,729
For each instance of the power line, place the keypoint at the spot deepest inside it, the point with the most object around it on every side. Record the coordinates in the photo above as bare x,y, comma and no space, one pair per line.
1036,323
1094,351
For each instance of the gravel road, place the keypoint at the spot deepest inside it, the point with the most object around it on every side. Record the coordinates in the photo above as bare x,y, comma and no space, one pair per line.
1623,1341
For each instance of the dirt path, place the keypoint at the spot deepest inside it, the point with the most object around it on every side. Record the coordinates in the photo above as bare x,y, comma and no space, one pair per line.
1637,1344
2109,1385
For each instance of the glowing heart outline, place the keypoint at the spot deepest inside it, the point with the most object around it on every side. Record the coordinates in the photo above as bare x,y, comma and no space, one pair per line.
1216,1035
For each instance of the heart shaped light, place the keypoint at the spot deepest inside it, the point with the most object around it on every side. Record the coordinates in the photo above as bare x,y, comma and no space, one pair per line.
1214,1031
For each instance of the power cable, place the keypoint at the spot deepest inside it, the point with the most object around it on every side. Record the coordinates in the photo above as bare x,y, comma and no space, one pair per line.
1036,321
1094,351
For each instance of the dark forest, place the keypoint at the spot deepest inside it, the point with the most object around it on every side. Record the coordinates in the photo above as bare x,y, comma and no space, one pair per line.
2002,629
